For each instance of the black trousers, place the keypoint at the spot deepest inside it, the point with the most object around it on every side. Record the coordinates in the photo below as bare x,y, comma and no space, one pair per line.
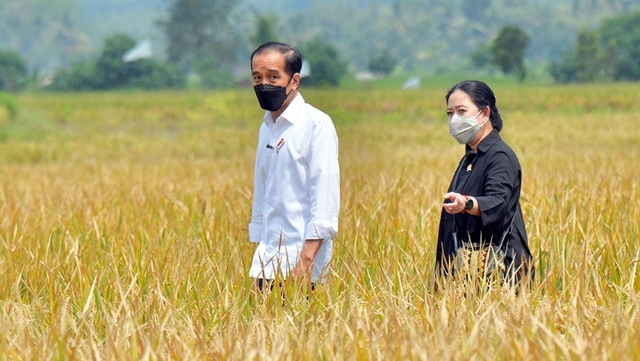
263,284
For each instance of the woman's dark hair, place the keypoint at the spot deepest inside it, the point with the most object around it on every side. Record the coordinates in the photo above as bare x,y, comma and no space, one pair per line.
292,57
482,96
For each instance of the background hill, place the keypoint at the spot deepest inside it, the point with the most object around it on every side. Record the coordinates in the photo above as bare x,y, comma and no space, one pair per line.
426,35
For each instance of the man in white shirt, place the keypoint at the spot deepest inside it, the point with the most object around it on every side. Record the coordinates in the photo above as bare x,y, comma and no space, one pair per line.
296,198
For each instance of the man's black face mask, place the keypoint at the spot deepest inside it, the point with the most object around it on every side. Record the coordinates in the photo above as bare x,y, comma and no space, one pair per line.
271,97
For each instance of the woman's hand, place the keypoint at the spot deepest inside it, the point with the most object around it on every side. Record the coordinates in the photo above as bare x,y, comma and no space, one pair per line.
455,203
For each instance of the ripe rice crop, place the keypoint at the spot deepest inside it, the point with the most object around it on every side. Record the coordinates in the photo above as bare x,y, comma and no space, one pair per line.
123,230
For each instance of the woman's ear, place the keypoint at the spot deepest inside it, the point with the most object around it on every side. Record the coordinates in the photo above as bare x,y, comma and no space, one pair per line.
487,112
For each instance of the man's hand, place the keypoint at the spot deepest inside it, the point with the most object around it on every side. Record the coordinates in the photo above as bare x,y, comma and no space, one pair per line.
304,266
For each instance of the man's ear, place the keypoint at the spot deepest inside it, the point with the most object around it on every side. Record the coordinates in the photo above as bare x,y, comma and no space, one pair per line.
295,81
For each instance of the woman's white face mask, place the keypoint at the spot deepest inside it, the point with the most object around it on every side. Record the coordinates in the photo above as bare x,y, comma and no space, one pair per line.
464,129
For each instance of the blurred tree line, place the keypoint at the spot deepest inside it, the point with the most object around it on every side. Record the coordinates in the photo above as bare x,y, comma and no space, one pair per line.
111,71
210,40
610,52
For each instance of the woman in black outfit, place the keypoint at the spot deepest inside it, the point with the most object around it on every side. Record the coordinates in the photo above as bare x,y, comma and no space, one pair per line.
482,203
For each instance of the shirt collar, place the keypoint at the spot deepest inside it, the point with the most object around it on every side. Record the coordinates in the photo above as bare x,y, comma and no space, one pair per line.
289,114
487,142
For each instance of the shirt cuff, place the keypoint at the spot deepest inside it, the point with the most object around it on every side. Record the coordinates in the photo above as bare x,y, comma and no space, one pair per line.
255,233
320,231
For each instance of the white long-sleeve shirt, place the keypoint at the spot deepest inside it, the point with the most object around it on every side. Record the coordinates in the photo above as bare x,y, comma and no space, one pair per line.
296,190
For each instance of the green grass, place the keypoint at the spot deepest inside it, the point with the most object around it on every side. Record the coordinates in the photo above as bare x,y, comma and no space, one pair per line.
123,230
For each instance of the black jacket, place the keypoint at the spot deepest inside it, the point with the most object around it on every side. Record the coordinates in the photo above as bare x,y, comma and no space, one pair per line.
494,177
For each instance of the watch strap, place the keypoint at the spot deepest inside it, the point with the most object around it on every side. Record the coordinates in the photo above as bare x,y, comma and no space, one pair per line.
469,203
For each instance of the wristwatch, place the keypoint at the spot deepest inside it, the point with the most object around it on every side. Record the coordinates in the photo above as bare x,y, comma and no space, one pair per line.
469,205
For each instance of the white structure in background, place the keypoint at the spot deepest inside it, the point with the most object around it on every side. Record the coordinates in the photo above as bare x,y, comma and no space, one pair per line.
367,75
306,69
412,83
140,51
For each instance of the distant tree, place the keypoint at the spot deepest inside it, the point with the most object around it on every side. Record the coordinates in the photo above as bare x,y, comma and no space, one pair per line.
564,70
588,58
611,52
201,36
481,57
80,77
110,71
265,29
150,74
581,64
326,66
620,37
213,73
508,49
13,71
382,63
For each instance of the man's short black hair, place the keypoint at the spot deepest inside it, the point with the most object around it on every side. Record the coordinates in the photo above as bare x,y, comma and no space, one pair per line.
292,57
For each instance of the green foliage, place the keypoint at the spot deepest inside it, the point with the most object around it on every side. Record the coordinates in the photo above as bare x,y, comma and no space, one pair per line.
326,66
111,72
426,36
150,74
621,38
508,50
265,29
588,57
611,52
583,64
10,105
81,76
564,71
481,57
382,63
440,35
213,74
13,71
200,32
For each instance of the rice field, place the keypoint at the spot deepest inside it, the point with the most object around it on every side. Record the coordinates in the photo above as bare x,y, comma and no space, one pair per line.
123,230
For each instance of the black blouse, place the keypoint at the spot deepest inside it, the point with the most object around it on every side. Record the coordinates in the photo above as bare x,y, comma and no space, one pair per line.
493,176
